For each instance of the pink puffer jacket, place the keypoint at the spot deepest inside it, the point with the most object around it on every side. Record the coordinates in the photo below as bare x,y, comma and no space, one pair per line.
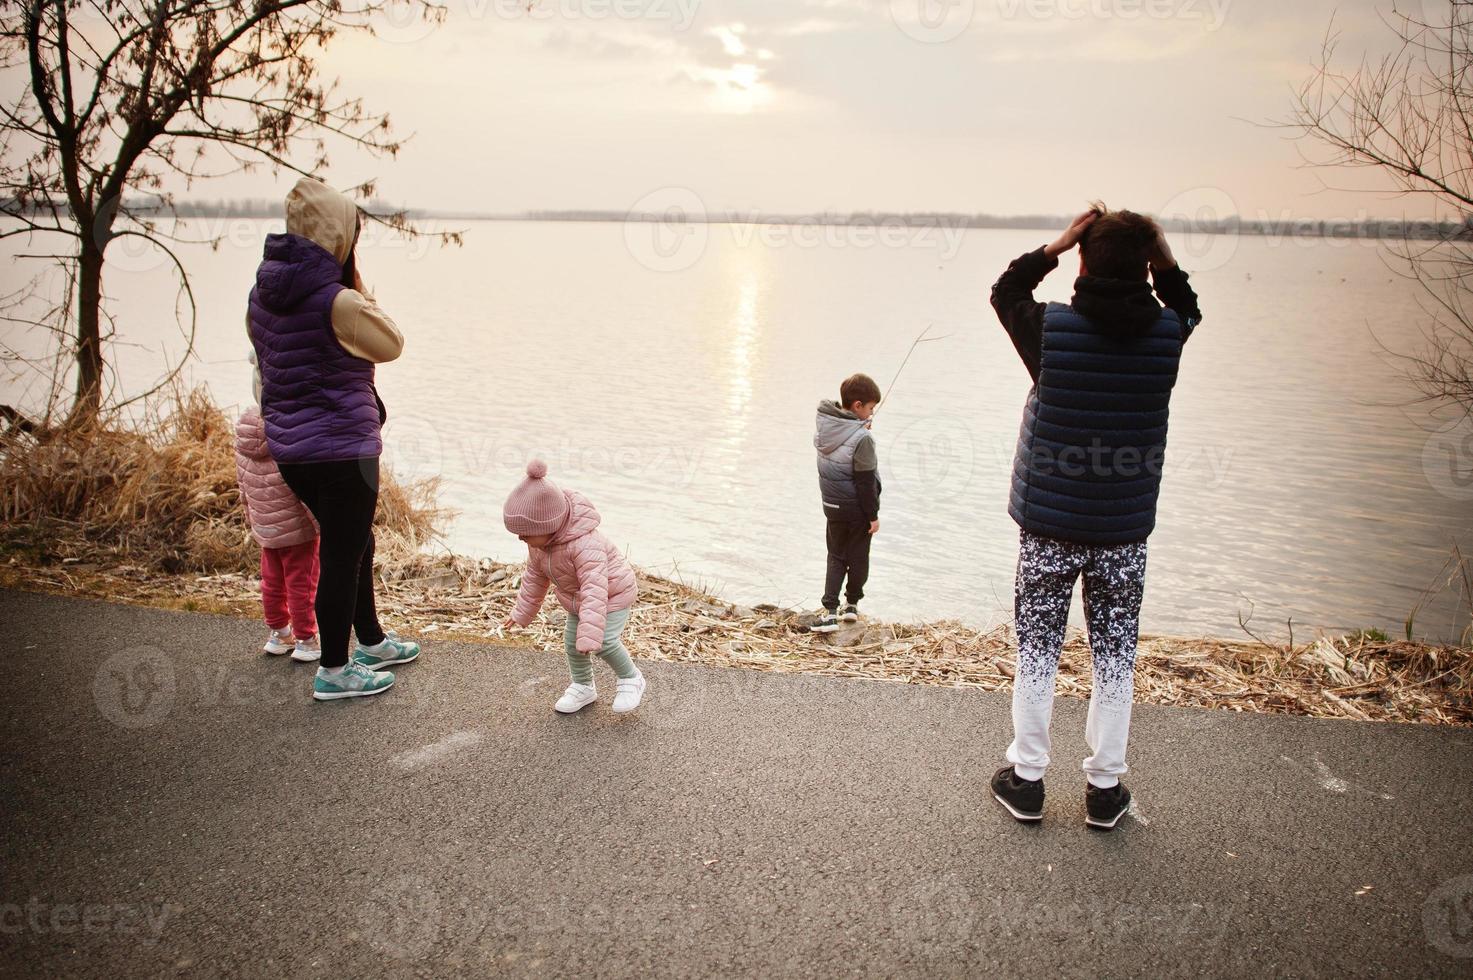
590,576
277,518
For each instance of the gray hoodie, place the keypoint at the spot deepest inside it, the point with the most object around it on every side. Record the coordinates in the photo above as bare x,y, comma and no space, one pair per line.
848,467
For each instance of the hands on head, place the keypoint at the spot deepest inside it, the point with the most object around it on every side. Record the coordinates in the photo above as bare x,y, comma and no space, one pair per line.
1071,235
1160,252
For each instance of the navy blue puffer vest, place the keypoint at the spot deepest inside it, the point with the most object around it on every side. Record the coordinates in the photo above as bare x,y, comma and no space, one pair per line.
1088,463
318,401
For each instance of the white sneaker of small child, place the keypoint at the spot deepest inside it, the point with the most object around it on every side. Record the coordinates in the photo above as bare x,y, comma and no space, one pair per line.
575,698
308,651
628,693
279,642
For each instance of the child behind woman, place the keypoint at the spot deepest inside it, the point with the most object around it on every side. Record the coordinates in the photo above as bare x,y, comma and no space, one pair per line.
287,534
592,580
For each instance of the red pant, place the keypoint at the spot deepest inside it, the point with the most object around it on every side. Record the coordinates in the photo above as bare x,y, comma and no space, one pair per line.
289,588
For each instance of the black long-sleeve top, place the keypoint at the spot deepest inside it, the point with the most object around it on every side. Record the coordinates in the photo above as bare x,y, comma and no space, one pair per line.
1022,315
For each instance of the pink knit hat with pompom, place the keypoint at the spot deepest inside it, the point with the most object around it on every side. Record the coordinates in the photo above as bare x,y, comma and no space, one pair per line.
536,505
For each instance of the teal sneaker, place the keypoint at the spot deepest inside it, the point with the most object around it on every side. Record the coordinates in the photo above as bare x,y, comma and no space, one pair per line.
356,681
390,653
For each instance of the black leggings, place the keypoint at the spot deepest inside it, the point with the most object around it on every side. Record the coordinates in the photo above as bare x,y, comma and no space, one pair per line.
342,495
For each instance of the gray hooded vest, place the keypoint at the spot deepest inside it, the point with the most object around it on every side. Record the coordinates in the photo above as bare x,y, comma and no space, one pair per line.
837,438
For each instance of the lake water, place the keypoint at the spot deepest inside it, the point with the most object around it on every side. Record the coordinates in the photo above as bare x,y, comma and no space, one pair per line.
675,386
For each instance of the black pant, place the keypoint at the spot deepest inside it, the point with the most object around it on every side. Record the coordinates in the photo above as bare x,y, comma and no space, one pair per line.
848,555
342,495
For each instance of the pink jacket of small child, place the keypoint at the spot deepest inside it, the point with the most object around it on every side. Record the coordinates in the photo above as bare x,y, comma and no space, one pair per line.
590,576
277,518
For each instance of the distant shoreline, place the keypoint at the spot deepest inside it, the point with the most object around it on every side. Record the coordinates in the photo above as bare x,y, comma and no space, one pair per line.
1280,227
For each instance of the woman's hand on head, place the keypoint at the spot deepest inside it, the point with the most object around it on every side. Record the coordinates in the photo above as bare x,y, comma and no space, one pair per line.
1071,235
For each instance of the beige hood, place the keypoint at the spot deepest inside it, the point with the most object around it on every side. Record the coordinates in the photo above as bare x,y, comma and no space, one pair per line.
319,213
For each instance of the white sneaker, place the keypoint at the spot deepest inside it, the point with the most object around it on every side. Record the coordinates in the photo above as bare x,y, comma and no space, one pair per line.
279,642
576,698
308,651
628,693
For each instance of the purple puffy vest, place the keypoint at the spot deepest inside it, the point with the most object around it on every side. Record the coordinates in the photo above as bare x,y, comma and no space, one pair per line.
317,400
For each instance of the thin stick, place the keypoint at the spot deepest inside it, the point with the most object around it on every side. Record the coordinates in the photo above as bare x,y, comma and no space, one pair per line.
921,339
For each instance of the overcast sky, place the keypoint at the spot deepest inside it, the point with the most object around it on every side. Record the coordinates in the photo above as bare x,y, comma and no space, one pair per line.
1002,106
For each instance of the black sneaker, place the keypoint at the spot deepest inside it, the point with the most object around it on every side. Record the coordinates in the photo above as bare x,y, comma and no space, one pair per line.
850,613
827,622
1105,807
1023,798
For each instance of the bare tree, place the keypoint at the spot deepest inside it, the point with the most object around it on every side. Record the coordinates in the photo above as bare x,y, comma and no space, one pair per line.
128,99
1409,116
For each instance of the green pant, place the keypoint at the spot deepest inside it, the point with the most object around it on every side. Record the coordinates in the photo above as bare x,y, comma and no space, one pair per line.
580,665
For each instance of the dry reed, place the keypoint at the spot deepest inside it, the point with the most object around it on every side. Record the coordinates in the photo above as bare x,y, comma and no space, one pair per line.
125,515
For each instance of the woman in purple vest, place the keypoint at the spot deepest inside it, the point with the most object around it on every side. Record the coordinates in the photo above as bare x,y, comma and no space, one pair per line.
317,335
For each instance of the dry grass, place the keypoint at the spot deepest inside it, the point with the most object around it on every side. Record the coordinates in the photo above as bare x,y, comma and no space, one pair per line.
461,599
163,492
129,515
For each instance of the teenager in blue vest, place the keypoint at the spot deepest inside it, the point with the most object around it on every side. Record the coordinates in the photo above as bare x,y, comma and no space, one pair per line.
1085,480
317,334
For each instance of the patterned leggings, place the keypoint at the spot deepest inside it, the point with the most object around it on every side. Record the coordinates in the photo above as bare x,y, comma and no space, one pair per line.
1114,583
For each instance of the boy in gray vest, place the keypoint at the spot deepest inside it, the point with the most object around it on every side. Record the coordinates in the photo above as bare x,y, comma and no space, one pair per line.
849,481
1085,481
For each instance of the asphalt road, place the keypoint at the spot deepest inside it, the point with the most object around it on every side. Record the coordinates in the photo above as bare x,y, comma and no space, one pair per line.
175,803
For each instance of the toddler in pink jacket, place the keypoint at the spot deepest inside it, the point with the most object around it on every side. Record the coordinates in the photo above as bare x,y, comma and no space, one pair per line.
287,534
592,580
